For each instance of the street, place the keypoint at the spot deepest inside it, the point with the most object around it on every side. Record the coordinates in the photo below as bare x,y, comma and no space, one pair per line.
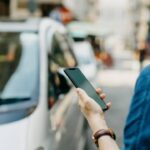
119,92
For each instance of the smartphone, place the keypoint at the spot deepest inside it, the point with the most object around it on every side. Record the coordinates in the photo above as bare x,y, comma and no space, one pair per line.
80,81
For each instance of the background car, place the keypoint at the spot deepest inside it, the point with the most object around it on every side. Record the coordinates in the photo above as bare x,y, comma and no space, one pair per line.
86,59
96,35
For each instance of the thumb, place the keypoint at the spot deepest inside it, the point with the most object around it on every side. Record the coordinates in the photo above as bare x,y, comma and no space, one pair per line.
82,94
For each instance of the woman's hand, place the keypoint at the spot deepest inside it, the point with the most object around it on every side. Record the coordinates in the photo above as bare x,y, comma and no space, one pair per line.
91,110
95,117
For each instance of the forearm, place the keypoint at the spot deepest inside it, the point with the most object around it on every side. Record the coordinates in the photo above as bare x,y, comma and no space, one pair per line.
104,142
107,143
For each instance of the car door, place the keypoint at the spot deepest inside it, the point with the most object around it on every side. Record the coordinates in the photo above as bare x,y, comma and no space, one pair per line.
67,123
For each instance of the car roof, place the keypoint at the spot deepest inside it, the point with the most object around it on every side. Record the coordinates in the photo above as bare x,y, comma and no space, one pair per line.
83,29
19,25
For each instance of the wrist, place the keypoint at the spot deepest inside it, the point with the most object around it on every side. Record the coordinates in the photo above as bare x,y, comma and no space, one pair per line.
97,123
103,134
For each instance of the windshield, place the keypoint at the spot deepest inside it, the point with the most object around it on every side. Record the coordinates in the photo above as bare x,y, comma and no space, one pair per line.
18,66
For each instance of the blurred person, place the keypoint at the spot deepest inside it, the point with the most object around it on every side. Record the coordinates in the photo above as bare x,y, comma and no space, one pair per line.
142,53
100,53
147,55
137,130
61,14
55,14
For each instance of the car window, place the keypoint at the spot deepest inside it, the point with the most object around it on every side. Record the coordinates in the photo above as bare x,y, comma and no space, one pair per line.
60,55
61,50
19,66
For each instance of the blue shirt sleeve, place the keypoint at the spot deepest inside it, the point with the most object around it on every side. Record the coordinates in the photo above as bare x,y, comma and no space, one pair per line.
137,128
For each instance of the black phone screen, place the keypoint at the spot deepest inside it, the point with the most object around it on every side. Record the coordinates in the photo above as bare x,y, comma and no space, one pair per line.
80,81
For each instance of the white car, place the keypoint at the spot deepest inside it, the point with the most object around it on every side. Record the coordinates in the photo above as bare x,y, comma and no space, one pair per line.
31,53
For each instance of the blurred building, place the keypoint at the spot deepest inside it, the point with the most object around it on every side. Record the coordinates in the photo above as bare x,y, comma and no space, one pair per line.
142,22
4,7
25,8
135,11
84,9
145,16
